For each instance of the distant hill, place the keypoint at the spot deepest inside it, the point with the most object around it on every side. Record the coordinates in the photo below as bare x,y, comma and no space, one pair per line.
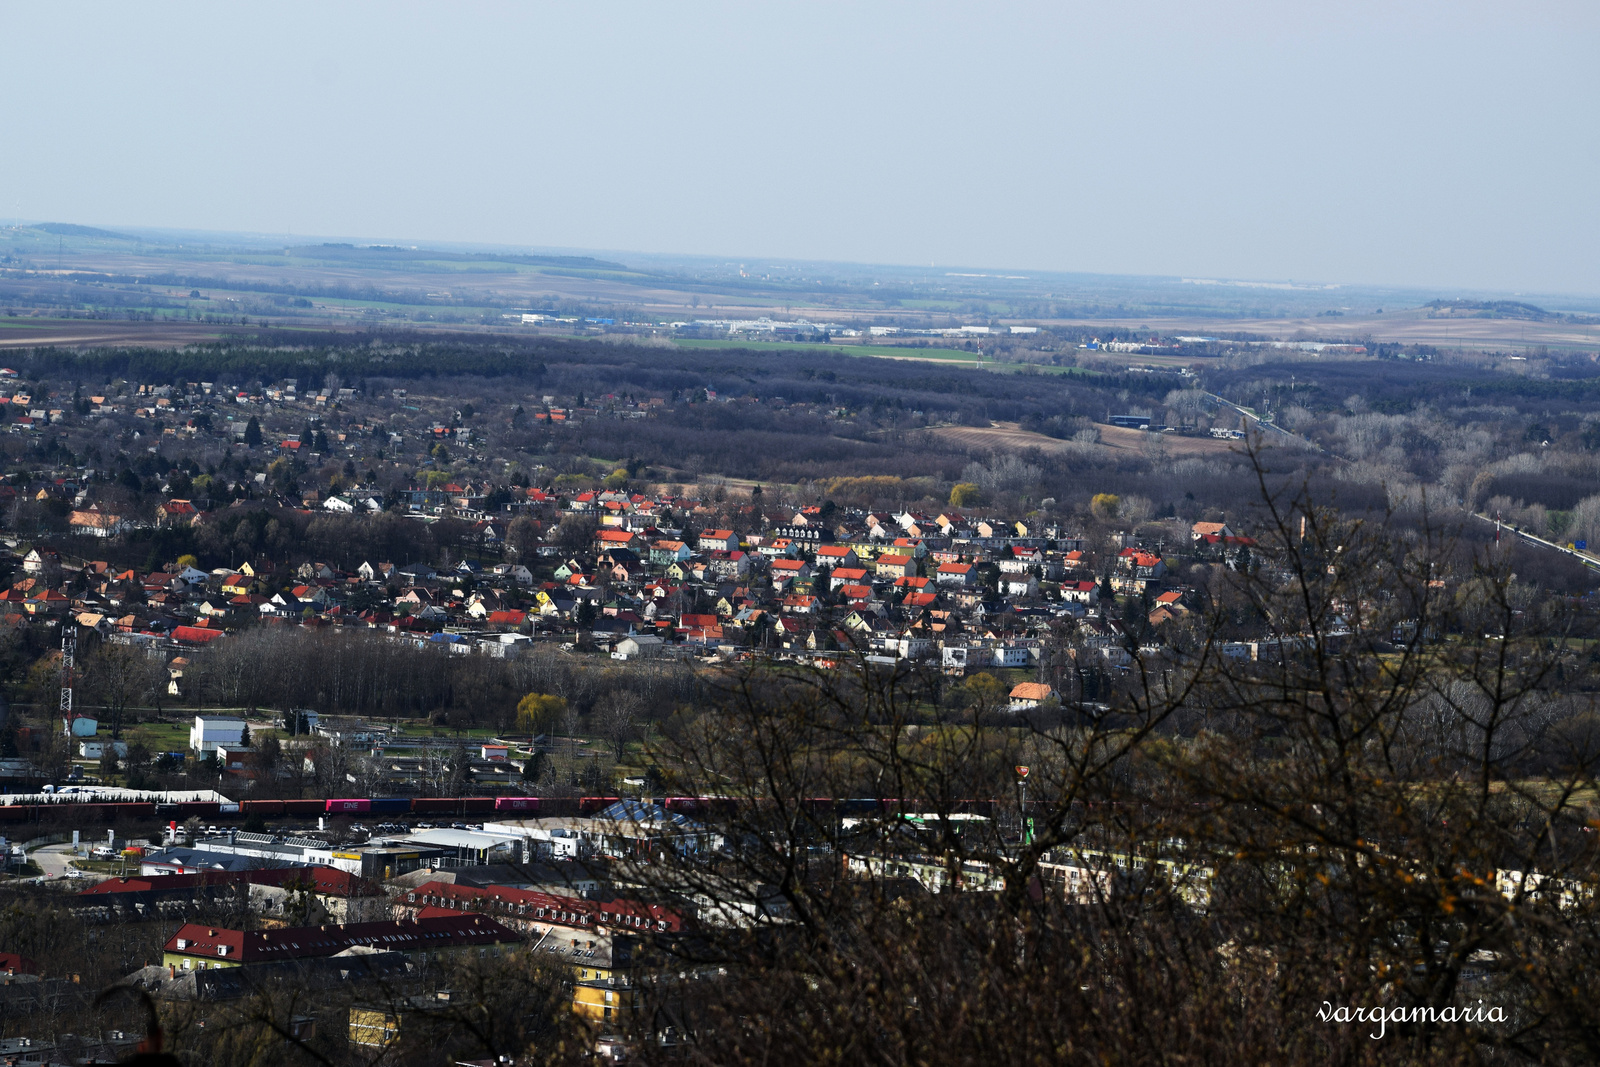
70,229
1493,309
374,255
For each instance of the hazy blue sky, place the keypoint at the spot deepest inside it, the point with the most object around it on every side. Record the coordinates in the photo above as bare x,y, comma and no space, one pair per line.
1449,144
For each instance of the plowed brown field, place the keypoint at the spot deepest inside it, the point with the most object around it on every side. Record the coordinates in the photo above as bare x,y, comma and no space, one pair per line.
1007,436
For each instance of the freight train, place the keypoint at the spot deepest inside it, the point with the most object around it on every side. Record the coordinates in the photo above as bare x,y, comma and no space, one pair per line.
80,812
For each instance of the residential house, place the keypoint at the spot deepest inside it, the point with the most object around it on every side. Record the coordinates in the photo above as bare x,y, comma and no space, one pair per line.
1019,585
847,576
837,556
1080,592
956,574
665,552
787,571
1026,695
176,513
895,566
97,523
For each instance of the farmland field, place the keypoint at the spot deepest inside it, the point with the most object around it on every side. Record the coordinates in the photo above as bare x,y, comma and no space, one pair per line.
942,355
1008,436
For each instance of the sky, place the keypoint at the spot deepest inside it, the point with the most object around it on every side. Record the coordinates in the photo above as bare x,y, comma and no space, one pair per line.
1397,143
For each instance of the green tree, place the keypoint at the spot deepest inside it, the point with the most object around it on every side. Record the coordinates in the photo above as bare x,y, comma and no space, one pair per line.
540,713
252,432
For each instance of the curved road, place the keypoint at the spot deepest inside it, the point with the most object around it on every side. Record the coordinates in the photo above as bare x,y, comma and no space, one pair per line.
53,860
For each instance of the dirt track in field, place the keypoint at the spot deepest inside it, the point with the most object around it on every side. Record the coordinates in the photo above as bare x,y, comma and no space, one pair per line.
1007,436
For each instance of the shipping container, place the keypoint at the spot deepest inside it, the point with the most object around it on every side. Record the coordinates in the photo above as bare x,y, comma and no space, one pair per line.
435,806
203,809
267,809
558,805
700,807
595,805
303,807
528,804
477,805
348,806
87,812
390,806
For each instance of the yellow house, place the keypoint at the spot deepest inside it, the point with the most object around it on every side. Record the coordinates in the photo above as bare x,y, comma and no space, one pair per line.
607,944
605,1000
237,584
375,1027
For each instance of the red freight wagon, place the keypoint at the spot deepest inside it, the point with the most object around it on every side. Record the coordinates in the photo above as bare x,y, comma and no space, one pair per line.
267,809
202,809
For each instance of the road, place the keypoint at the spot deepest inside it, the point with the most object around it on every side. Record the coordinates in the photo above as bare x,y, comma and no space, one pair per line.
1582,557
55,861
1267,426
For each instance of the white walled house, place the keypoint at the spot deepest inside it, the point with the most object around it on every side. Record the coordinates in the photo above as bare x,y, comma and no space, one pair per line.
210,731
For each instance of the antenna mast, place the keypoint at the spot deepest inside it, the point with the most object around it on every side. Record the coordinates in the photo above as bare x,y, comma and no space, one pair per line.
69,655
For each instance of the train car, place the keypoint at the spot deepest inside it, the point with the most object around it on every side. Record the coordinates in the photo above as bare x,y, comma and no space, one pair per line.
701,807
267,809
477,805
135,810
348,806
529,805
85,812
595,805
19,812
858,806
198,809
390,806
303,807
434,806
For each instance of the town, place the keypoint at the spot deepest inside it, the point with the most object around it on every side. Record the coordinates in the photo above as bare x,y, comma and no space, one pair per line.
598,703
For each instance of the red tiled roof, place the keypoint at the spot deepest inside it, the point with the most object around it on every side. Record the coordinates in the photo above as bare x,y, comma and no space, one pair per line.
446,898
11,963
198,634
320,879
312,942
